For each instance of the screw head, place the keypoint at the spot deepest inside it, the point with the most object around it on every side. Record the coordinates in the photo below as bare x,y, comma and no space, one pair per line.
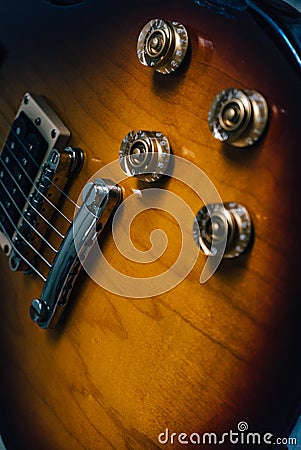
38,310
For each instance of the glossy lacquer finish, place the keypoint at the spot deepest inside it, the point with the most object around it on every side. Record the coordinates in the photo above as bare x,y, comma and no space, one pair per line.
201,357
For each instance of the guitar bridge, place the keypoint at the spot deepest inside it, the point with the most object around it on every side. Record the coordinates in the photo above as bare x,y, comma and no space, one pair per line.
100,199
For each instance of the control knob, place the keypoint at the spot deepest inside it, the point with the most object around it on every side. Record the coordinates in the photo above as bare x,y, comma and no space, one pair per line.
162,45
217,224
145,155
238,117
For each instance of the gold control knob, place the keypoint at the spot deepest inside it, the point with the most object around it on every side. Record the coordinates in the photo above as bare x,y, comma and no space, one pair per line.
216,223
145,155
162,45
238,117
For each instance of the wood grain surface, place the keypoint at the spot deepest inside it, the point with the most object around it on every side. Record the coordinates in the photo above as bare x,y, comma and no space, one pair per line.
200,358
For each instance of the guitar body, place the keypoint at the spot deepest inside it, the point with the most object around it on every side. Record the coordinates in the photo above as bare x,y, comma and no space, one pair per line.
118,371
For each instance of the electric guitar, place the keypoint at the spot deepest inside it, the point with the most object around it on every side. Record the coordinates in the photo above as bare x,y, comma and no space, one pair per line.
149,223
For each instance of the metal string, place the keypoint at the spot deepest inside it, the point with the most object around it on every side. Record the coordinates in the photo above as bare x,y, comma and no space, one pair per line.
23,238
38,166
26,220
20,254
32,182
27,199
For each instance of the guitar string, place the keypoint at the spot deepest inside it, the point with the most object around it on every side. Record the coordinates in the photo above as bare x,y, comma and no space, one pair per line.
25,219
19,253
28,200
38,166
24,239
33,184
35,162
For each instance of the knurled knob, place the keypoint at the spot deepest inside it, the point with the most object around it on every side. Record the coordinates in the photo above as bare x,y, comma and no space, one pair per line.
216,224
162,45
145,155
238,117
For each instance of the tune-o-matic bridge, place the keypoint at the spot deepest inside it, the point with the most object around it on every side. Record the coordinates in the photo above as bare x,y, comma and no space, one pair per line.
35,170
100,199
